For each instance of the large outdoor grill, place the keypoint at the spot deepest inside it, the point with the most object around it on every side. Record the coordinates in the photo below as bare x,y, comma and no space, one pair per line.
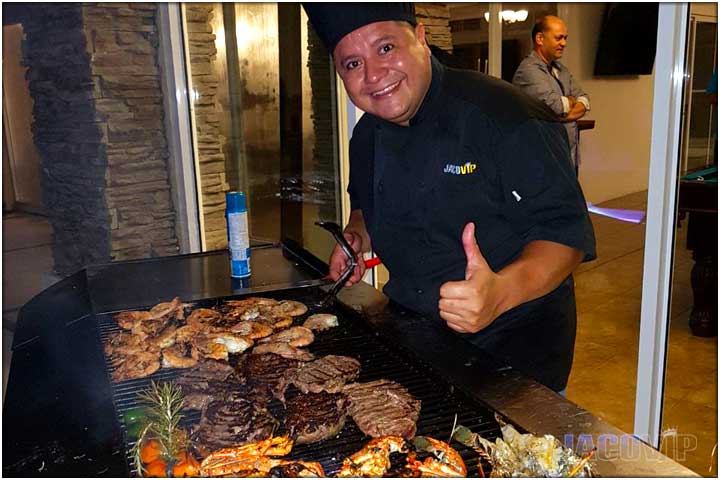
62,415
379,358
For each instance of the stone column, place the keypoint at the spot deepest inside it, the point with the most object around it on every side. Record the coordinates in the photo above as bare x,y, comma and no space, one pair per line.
98,125
68,136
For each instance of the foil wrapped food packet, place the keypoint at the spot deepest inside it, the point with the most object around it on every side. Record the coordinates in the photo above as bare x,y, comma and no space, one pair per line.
526,455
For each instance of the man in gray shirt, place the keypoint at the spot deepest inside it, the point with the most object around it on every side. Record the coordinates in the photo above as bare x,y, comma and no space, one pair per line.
542,76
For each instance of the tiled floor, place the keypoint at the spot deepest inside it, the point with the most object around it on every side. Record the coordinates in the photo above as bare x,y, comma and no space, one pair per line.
608,297
26,271
609,292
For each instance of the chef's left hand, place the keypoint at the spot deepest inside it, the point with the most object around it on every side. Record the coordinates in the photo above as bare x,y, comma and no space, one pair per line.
471,305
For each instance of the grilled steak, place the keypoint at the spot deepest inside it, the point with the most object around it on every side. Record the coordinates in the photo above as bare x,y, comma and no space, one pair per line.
383,407
231,422
207,381
313,417
327,374
264,372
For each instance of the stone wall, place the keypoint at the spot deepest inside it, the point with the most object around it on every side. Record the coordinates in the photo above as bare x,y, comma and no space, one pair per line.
98,125
123,48
204,81
436,18
69,139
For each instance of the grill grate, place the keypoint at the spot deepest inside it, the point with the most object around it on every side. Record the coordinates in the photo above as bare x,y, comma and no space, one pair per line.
441,401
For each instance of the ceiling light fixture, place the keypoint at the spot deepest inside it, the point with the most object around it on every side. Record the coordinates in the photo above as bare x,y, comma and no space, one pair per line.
510,16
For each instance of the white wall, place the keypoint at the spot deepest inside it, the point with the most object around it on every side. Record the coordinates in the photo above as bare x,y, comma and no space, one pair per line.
615,155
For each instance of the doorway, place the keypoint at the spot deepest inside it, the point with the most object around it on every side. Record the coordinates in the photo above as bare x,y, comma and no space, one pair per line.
700,118
21,162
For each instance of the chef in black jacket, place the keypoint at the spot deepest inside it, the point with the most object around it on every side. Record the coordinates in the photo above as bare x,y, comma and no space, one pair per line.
462,185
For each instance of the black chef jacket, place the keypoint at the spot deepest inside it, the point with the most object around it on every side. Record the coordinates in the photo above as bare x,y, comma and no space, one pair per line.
478,150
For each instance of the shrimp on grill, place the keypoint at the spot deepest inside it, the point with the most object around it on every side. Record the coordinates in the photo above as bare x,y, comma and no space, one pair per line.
246,458
123,343
276,323
321,321
254,330
136,365
172,310
251,301
201,318
294,336
127,320
164,339
174,307
218,345
288,308
179,356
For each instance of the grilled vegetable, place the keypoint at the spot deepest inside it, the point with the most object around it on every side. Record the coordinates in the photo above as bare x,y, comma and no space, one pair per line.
157,468
135,415
150,451
186,466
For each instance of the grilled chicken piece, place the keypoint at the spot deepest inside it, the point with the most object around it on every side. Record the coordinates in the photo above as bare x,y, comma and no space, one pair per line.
321,321
293,336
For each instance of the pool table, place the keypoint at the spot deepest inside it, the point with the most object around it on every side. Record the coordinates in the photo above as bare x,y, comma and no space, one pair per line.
698,196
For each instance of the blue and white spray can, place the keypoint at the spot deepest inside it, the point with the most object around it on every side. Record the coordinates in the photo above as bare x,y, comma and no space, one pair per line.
238,237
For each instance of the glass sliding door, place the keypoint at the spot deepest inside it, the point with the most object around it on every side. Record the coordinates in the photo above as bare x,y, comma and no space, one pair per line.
690,383
263,120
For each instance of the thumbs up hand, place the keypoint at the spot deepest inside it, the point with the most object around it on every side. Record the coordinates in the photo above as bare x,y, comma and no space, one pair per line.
471,305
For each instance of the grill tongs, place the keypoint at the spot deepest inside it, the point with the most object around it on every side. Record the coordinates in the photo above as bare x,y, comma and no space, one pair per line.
337,233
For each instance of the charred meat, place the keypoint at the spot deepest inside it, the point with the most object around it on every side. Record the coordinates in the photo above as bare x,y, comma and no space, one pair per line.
231,422
265,372
207,381
313,417
327,374
383,407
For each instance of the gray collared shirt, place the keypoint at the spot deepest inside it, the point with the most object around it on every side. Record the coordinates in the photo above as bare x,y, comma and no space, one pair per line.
552,84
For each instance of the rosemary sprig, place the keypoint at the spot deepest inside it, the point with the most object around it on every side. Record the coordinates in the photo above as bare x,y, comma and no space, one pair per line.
164,403
137,458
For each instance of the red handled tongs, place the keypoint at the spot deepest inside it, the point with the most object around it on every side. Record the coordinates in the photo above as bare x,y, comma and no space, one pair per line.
337,234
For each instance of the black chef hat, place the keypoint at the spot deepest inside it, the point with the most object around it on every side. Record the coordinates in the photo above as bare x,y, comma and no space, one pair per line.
332,21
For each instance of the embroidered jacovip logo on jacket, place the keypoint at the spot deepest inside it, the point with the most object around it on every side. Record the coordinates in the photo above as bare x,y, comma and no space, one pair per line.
466,169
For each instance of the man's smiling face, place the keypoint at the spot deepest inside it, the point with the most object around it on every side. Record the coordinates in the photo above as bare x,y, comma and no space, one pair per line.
385,67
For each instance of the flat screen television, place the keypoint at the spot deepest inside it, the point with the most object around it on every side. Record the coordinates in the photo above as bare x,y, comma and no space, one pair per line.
628,39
